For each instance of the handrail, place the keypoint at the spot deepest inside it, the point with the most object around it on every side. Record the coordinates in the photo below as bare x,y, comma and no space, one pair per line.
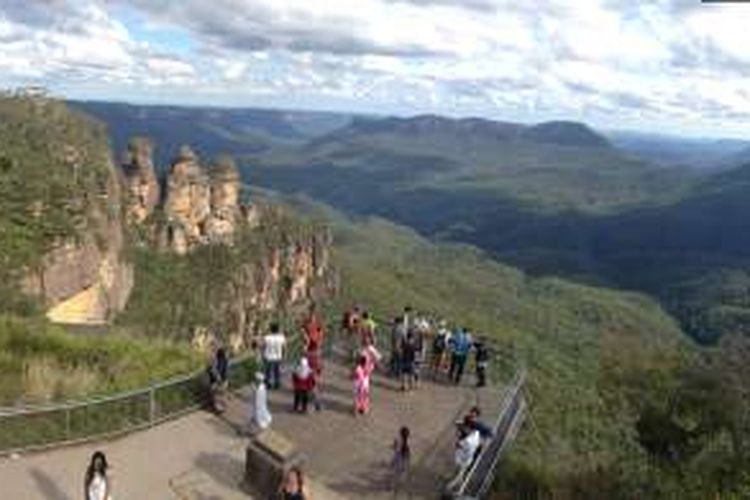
512,398
32,428
78,403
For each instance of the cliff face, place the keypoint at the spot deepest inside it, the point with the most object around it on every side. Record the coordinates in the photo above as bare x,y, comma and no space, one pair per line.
140,181
83,278
226,267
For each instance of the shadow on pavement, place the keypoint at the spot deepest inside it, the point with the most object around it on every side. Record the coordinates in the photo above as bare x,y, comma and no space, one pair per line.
47,486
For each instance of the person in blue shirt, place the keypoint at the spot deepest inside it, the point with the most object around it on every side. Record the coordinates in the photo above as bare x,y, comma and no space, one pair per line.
460,345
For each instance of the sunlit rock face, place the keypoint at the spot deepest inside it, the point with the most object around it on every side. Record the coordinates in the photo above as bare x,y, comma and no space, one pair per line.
141,184
86,279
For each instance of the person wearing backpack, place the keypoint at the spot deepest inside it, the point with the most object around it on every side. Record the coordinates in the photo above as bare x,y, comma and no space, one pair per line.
460,347
439,348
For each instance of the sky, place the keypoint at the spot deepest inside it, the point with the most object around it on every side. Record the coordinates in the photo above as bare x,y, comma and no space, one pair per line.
672,66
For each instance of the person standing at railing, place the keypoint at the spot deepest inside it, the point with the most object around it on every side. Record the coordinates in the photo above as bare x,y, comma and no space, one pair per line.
350,329
398,336
97,484
482,360
439,348
218,374
274,345
460,346
368,330
467,444
314,334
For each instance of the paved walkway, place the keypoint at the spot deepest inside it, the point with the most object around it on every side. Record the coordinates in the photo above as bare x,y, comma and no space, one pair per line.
202,457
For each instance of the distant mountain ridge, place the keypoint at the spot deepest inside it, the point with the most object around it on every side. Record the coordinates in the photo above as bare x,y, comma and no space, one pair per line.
561,133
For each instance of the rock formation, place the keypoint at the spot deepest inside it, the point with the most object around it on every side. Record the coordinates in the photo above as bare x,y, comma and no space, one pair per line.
140,181
201,206
85,279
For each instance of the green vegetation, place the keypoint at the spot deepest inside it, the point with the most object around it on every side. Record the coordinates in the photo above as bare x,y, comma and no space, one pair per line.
41,362
53,166
210,286
597,359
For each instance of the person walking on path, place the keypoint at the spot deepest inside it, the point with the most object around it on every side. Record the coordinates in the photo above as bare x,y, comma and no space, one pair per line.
274,345
401,461
482,360
460,347
303,382
261,415
97,484
362,374
293,486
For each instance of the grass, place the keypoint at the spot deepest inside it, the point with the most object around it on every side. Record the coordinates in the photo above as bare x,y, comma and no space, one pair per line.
42,362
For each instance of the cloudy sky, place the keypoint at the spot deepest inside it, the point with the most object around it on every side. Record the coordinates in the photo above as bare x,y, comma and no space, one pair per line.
666,65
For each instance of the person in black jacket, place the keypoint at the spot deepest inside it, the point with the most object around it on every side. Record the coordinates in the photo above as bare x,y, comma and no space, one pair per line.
482,359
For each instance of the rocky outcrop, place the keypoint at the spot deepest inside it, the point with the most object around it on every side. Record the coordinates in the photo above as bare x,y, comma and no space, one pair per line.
84,279
141,184
201,206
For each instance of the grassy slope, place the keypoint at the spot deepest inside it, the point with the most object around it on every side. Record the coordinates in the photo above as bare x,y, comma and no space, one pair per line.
41,362
53,166
595,356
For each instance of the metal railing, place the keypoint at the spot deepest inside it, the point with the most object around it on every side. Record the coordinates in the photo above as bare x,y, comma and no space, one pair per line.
478,479
33,428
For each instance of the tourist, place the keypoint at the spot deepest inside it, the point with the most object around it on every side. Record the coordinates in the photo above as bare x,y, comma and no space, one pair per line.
273,353
460,346
408,318
97,485
218,374
408,362
314,332
350,327
473,420
261,414
362,374
482,359
401,458
303,382
439,348
398,335
293,486
419,333
467,443
367,330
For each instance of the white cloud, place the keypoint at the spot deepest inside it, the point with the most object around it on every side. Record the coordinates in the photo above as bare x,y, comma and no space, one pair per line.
657,61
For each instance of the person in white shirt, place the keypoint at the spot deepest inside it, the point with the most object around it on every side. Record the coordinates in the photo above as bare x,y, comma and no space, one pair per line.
260,413
274,345
467,445
97,485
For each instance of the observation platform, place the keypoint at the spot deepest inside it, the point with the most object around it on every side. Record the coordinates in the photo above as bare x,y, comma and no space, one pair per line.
201,456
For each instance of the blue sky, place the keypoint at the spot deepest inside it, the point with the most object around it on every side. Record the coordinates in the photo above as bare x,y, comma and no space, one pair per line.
674,66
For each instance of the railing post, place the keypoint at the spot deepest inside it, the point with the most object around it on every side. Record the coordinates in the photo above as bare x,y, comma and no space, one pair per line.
152,406
67,423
